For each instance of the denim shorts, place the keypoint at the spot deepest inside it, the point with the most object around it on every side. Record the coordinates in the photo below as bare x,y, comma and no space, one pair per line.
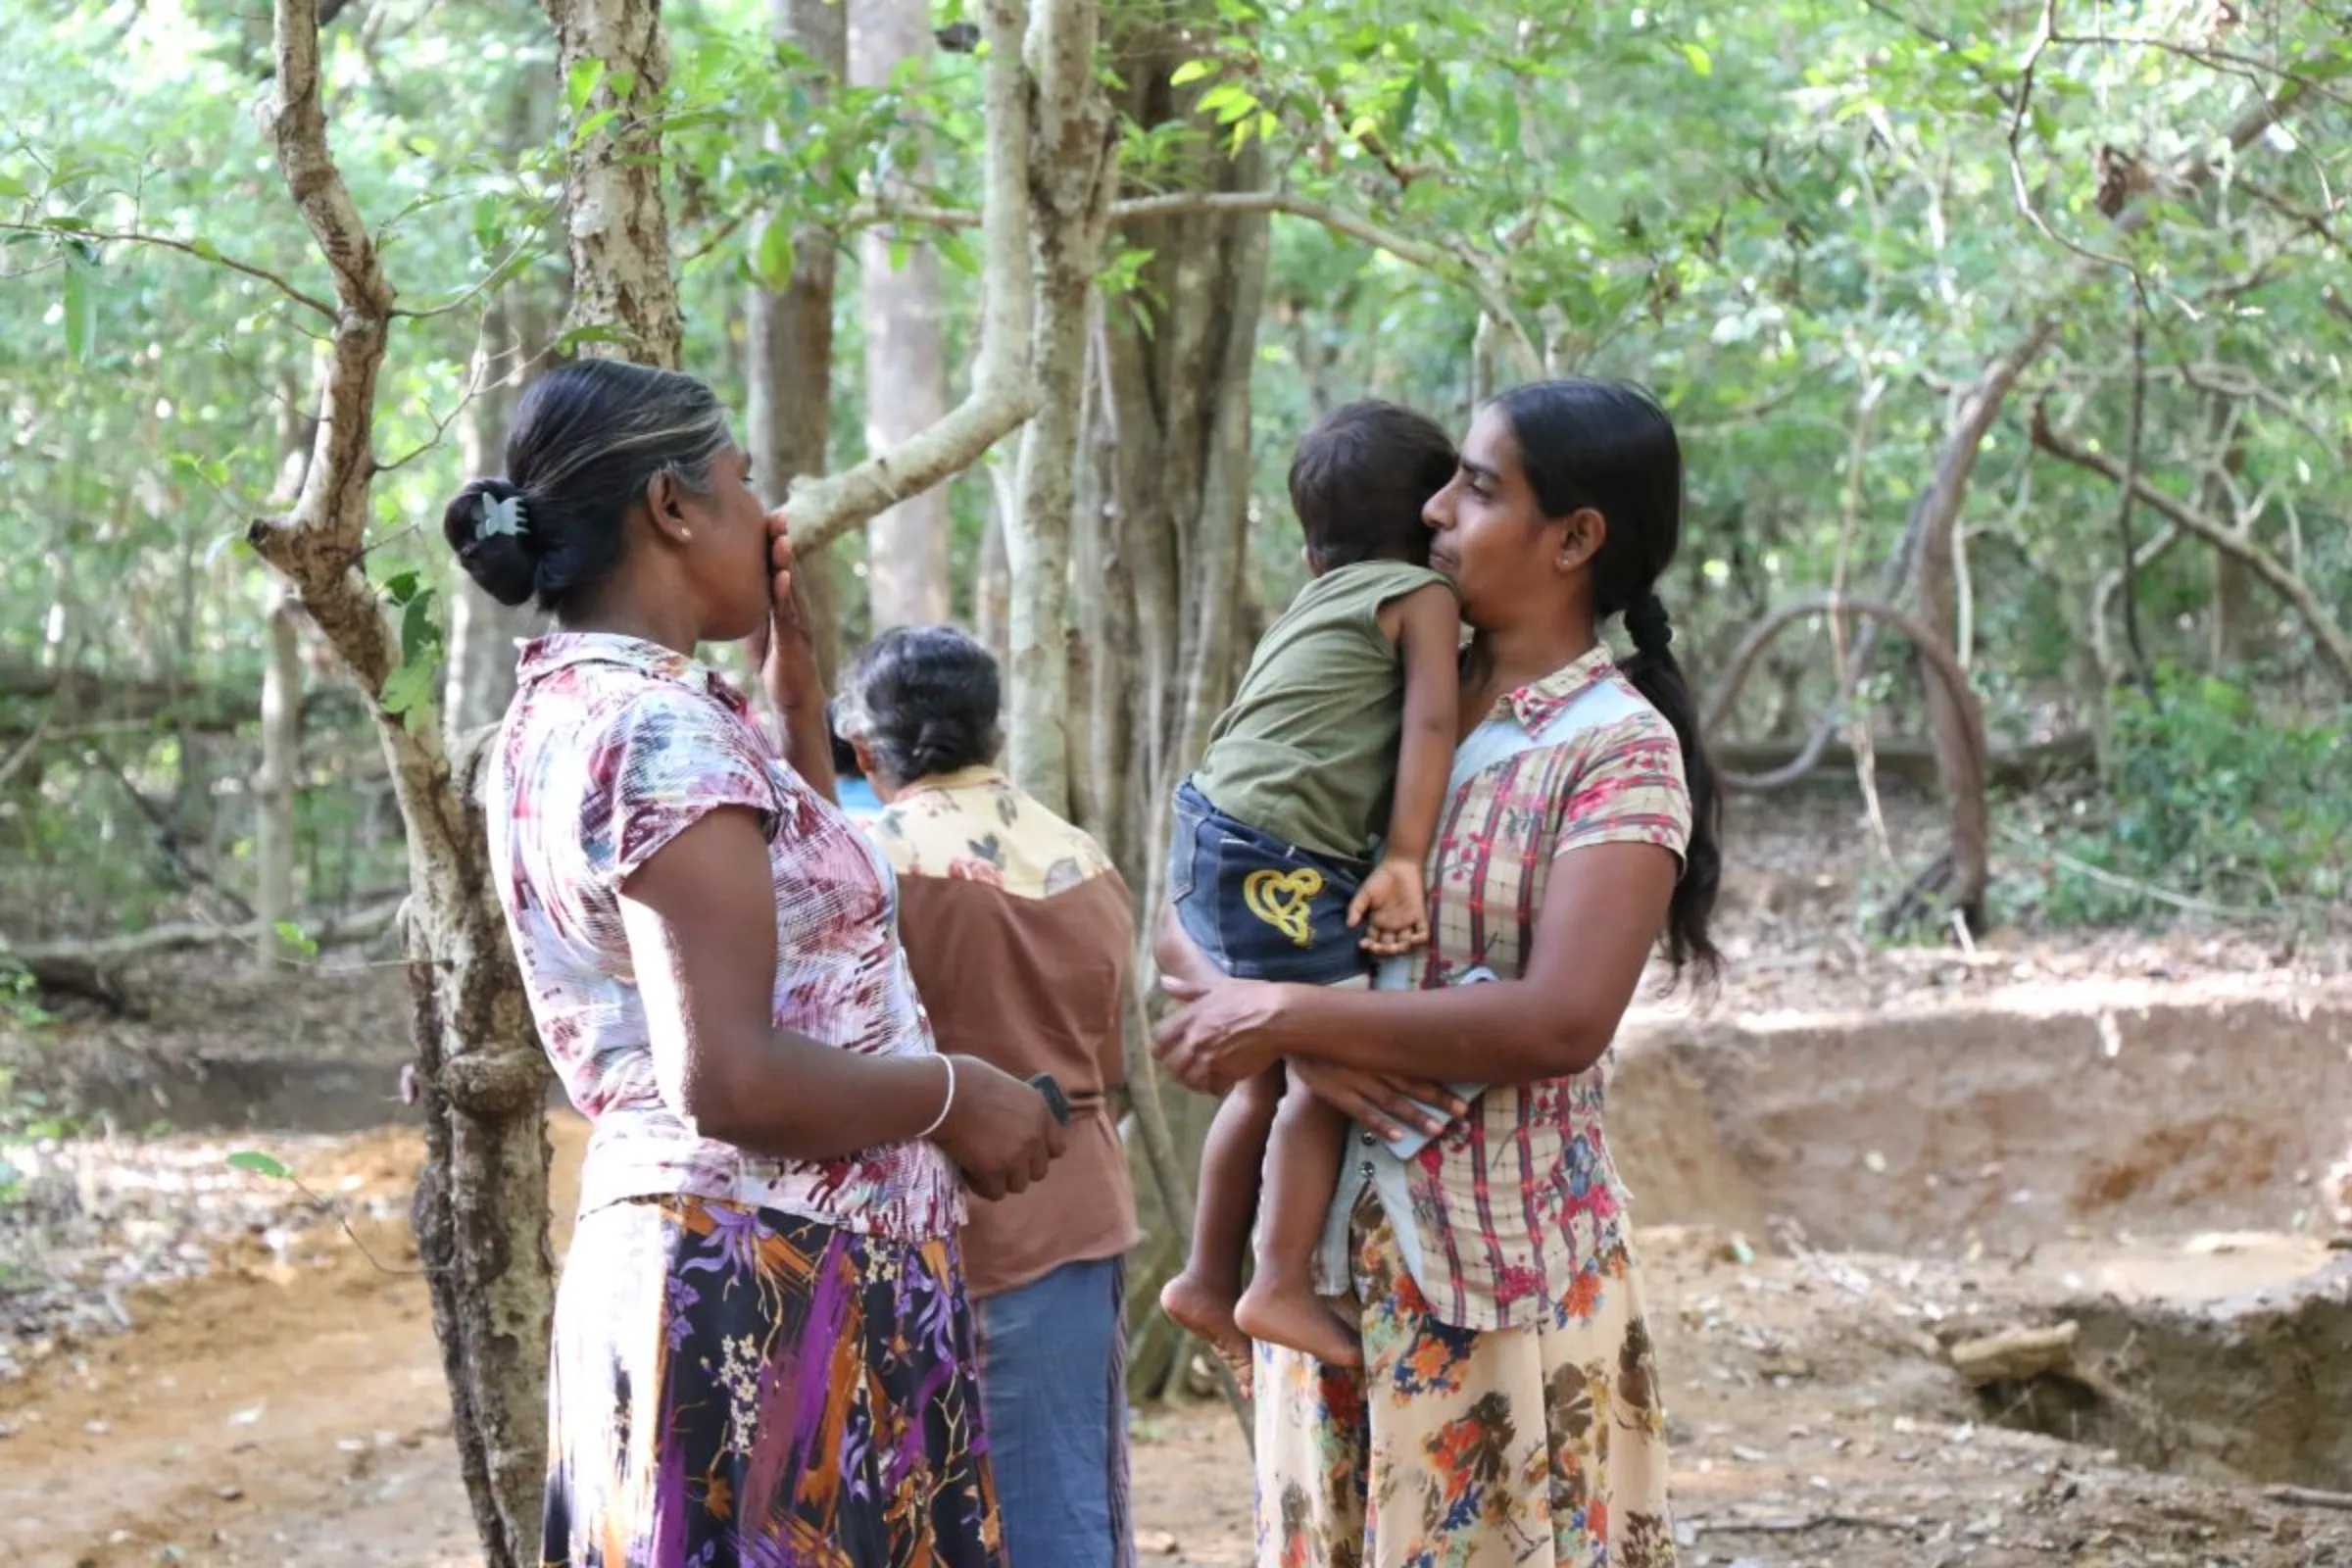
1260,907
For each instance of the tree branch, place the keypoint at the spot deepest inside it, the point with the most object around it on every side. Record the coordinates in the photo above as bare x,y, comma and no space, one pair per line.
2247,65
1958,453
2129,492
1440,259
202,250
1946,43
2334,646
2017,162
1004,393
1453,261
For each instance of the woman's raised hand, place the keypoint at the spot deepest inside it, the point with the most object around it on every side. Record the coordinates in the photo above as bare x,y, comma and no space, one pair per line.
786,648
1000,1131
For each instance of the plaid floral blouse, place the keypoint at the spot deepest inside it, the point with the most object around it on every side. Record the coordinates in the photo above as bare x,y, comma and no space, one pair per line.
1497,1217
613,748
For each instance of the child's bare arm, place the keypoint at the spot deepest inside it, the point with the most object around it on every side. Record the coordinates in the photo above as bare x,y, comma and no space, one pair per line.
1428,628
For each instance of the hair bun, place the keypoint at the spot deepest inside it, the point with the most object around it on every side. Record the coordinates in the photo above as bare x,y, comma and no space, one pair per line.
488,525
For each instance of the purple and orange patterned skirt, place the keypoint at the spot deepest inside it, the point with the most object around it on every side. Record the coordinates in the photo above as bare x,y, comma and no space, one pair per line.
735,1386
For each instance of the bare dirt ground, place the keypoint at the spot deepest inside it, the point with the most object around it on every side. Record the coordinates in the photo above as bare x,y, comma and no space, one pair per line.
200,1366
287,1407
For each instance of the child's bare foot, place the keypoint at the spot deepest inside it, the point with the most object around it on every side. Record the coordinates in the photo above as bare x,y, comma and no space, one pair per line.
1208,1314
1295,1317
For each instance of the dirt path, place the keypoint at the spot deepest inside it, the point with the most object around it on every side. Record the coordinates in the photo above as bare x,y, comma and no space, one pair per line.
276,1413
290,1411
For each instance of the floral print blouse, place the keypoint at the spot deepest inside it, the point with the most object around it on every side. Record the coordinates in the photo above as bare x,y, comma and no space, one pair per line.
612,748
1499,1216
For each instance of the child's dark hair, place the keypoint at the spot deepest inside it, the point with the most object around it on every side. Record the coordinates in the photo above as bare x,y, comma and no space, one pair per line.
1608,446
1361,479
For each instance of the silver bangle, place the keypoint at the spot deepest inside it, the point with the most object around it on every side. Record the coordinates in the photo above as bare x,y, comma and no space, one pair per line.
947,1106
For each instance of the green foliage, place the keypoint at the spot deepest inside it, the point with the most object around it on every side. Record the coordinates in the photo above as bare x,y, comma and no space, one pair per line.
410,688
2209,799
260,1164
1800,223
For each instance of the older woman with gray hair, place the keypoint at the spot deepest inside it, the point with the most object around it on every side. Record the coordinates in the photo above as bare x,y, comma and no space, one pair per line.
1020,933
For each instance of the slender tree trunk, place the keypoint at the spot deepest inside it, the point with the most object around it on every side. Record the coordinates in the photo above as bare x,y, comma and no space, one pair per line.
617,225
905,348
1169,446
991,582
481,1205
789,346
273,791
1070,187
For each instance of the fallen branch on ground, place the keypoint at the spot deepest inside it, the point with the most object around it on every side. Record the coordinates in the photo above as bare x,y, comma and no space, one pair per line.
1913,761
128,945
2017,1354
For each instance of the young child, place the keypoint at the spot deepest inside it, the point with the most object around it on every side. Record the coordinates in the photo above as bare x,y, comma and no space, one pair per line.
1336,750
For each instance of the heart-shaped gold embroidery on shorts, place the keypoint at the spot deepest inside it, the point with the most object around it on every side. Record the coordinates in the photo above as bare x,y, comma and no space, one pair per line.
1284,899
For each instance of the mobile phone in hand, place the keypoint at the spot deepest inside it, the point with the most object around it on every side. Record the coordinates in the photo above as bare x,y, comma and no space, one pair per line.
1055,1100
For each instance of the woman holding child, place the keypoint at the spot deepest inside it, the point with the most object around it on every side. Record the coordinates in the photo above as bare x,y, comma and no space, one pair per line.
1506,1408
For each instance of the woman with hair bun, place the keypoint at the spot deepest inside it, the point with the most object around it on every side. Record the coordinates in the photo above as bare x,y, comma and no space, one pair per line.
1020,934
763,1349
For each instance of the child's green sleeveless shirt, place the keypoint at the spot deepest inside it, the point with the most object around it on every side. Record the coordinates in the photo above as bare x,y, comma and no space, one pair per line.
1308,751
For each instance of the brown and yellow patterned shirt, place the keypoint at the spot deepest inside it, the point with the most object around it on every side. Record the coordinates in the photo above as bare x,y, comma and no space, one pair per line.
1020,933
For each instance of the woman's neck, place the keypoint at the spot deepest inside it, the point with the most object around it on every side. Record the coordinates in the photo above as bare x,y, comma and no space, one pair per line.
1508,658
664,624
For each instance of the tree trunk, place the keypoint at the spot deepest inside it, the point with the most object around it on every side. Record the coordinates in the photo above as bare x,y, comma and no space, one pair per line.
2237,619
480,680
274,790
1166,520
612,51
991,582
788,408
481,1205
905,348
1955,720
1069,184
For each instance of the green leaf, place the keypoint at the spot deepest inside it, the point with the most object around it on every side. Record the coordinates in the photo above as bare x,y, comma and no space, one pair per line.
1192,70
13,190
581,84
1701,63
419,638
589,332
1406,104
293,939
591,125
261,1164
772,257
1229,101
956,251
401,586
409,692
